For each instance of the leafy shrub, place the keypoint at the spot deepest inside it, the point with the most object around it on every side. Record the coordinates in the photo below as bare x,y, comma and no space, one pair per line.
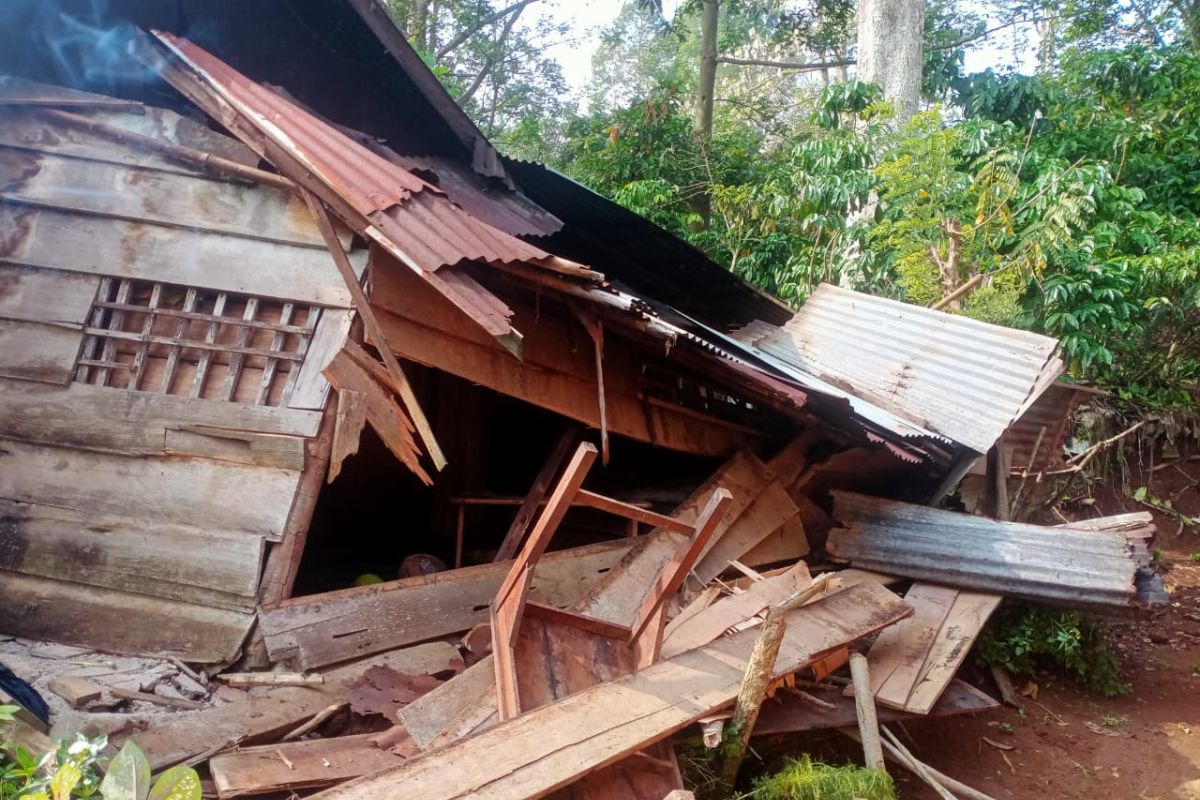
805,779
1023,638
73,772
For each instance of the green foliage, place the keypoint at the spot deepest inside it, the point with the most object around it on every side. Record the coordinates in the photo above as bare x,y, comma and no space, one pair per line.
8,713
1024,638
805,779
72,772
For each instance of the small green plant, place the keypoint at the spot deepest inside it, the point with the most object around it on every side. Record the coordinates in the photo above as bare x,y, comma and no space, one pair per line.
1157,557
8,713
72,772
1024,638
1007,727
1194,557
1114,721
805,779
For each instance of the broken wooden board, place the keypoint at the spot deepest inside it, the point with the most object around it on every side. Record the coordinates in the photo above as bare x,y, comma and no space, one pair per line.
770,508
787,543
295,766
324,629
915,660
275,711
550,747
39,608
78,692
790,713
722,615
455,708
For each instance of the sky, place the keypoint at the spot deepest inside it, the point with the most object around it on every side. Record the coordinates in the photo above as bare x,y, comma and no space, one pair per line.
589,17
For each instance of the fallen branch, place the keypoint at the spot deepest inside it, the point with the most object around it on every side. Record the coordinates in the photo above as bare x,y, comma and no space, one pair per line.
317,719
919,769
864,705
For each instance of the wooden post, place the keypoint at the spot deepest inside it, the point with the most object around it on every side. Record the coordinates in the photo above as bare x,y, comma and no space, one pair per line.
541,484
864,705
374,329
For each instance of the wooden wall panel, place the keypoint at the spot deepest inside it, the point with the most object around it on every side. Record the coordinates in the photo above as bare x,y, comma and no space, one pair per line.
43,237
557,371
32,351
133,423
180,562
43,295
168,490
119,622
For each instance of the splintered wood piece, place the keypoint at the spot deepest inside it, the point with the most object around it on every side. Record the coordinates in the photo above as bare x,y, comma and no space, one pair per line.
374,330
347,429
169,702
675,572
547,748
595,329
241,679
507,609
715,620
537,494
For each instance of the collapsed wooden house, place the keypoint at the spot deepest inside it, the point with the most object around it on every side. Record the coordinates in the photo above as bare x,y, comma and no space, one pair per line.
248,355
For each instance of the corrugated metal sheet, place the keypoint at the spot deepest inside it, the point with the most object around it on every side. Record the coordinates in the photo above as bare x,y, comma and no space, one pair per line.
19,91
962,378
1086,569
419,219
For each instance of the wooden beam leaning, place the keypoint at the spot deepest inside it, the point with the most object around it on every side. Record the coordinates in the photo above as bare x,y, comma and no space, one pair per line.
673,575
509,604
632,512
374,330
541,484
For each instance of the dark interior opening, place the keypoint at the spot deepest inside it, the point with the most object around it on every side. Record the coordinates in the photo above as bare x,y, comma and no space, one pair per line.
376,513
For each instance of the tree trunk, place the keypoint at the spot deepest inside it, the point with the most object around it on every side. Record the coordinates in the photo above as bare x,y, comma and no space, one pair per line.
889,50
703,123
418,26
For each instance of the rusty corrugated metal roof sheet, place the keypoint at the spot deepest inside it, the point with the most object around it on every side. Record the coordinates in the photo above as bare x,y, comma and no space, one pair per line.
418,218
962,378
1088,569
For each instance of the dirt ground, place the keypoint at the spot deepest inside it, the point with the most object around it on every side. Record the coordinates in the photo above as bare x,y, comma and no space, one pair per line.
1143,745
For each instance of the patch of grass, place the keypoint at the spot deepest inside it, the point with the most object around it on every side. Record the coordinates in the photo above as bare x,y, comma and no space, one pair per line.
1194,557
1025,637
805,779
1114,721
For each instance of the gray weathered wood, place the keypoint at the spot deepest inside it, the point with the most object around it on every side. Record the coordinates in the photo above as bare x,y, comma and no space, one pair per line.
173,561
311,388
33,351
81,243
238,447
45,295
169,490
328,628
119,622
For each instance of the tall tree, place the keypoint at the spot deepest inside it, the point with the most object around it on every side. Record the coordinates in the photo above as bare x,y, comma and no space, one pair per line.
890,42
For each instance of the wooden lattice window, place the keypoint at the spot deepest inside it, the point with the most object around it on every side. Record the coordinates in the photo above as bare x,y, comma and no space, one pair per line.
156,337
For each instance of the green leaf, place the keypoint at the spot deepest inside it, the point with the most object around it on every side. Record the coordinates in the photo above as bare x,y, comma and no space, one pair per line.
177,783
128,776
1139,494
65,780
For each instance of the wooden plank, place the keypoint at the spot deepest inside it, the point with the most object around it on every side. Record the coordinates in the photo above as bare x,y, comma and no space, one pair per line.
310,764
791,713
537,493
43,295
677,569
788,543
962,625
134,423
32,351
547,748
237,447
336,626
713,621
770,508
330,336
904,647
161,197
174,561
632,512
78,692
272,712
119,622
453,709
40,237
170,490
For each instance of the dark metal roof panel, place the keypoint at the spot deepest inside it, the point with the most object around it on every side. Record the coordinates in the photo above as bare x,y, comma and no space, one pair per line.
1065,566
